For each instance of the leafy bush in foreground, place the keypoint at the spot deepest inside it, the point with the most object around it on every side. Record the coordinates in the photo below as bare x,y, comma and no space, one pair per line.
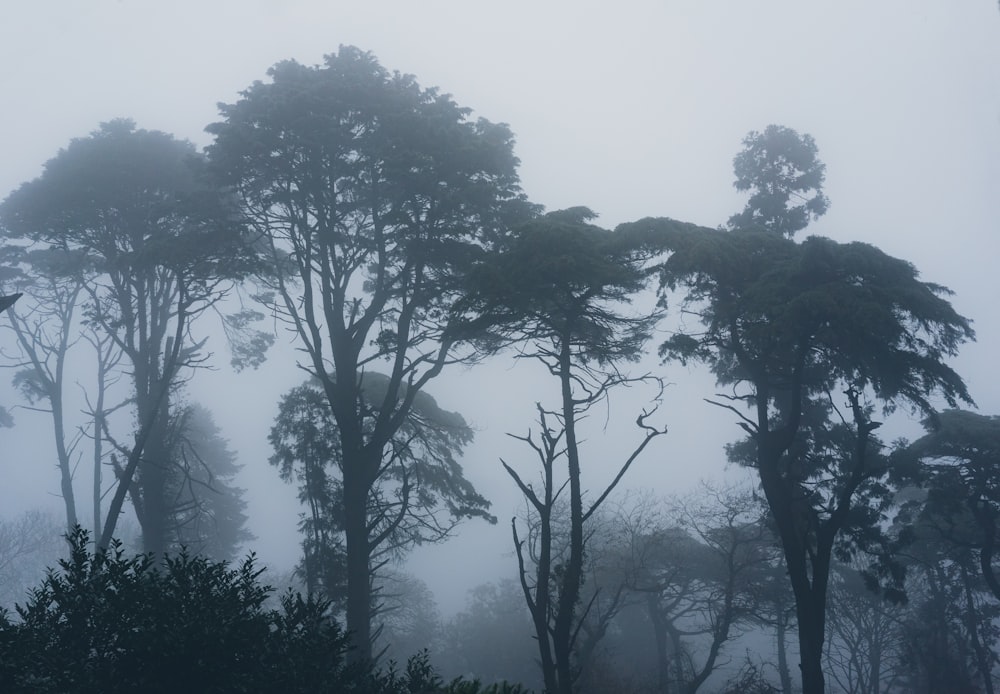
104,623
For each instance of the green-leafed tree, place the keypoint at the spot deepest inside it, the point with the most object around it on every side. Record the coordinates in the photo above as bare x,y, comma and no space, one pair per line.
419,496
812,337
163,244
370,196
557,290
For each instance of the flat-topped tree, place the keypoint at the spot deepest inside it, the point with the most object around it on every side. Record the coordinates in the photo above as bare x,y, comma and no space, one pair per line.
370,194
810,338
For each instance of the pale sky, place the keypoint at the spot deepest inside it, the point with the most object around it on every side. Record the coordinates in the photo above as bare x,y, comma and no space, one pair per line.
634,109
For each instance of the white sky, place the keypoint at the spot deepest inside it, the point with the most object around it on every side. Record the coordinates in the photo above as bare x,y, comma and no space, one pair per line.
634,109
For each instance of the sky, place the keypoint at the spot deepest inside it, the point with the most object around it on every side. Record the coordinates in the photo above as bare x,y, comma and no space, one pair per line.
633,109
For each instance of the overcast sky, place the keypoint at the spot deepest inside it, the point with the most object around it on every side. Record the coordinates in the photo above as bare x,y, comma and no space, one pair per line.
634,109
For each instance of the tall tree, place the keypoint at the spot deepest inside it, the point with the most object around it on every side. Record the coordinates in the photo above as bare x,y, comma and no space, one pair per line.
370,194
164,247
795,331
556,290
45,330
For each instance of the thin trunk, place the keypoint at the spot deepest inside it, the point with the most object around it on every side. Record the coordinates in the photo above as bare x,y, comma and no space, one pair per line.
569,593
783,673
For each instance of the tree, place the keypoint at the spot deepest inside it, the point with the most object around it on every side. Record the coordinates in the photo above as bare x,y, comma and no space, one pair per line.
784,327
370,195
162,247
419,496
207,513
960,466
783,171
45,332
695,567
863,649
28,543
491,637
555,290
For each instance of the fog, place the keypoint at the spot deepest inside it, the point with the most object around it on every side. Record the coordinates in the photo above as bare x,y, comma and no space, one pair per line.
633,110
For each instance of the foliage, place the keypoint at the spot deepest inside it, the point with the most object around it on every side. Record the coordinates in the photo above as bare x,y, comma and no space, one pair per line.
157,243
959,464
107,623
208,511
491,636
28,543
783,171
371,195
787,328
418,497
556,289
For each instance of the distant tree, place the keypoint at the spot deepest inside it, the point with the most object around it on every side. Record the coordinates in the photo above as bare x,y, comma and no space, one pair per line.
811,337
785,176
371,196
407,616
162,247
557,290
419,496
864,646
45,329
490,638
28,543
959,461
696,567
207,513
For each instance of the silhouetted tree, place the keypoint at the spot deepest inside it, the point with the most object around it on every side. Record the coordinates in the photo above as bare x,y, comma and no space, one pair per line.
556,290
785,326
371,195
161,245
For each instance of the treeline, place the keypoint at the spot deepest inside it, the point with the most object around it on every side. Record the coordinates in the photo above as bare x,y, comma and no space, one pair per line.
387,231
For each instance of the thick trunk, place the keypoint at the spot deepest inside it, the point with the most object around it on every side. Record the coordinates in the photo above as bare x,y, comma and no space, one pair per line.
810,595
153,476
359,596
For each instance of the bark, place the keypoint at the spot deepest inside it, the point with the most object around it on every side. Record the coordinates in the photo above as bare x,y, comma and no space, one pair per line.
569,592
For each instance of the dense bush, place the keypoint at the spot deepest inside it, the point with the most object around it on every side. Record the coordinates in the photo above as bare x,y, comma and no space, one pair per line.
105,623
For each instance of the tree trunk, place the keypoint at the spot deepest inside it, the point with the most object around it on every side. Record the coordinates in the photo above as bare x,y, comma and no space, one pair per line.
359,593
660,634
783,673
569,593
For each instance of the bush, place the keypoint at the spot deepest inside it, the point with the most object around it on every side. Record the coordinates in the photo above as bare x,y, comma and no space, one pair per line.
106,623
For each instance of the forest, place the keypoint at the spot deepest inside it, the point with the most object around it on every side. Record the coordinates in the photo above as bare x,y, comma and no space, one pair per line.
384,230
